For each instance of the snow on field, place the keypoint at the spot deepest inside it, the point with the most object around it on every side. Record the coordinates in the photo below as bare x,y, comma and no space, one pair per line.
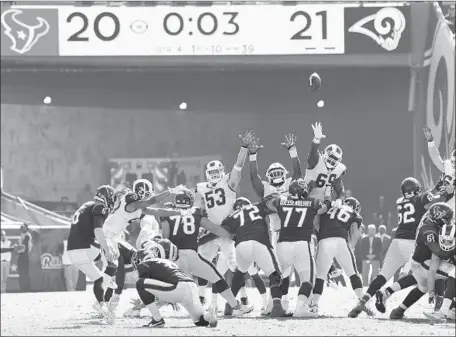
70,314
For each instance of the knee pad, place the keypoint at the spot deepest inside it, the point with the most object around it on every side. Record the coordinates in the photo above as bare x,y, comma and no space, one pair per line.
356,282
221,286
274,279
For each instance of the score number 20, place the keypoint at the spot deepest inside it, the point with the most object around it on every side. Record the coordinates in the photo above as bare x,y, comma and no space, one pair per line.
308,23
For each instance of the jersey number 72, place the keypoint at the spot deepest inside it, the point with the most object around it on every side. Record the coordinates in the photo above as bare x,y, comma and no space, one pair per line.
253,212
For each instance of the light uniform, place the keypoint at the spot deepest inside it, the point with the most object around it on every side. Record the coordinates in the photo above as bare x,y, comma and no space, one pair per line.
218,201
119,220
149,229
324,178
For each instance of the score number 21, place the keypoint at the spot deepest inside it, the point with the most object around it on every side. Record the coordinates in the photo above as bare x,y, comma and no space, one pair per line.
300,34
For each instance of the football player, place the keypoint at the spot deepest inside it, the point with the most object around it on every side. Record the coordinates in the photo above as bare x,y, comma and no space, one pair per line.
433,248
183,230
277,182
248,225
338,230
410,209
216,197
324,171
294,248
86,226
159,277
447,167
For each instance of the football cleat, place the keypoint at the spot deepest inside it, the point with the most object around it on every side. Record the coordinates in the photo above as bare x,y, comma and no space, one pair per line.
240,310
277,310
440,315
211,317
313,308
285,303
380,300
397,313
113,303
132,313
228,310
155,324
358,309
302,310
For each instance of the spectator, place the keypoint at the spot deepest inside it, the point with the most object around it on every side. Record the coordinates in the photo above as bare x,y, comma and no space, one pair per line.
84,195
386,241
65,207
23,261
70,271
371,250
6,260
382,216
358,253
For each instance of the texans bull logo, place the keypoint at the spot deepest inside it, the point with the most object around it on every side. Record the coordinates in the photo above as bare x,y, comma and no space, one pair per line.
389,24
23,36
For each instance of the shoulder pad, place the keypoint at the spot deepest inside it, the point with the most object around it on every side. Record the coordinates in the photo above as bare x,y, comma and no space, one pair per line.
131,197
399,200
265,183
342,169
99,209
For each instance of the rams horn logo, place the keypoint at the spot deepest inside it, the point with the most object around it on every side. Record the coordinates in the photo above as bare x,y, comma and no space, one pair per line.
389,23
23,36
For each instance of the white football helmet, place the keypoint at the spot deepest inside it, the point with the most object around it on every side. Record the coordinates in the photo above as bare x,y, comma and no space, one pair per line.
447,240
215,171
276,174
332,156
143,188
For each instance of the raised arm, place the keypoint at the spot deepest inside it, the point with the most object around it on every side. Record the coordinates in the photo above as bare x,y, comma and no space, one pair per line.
217,230
290,145
235,175
339,189
133,203
166,230
160,212
433,151
255,178
314,156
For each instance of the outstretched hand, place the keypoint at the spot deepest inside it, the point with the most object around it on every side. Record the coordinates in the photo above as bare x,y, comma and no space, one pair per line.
254,145
246,137
290,141
428,133
318,131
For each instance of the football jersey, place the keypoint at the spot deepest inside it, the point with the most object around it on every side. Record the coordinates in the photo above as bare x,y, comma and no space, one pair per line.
409,214
296,217
274,220
82,227
249,223
184,229
336,222
323,177
119,219
163,270
218,199
426,233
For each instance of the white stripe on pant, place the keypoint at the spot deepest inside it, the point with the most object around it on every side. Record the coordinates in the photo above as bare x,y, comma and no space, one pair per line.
193,263
84,259
338,248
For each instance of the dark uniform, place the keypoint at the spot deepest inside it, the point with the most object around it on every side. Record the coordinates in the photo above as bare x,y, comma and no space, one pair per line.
184,229
296,217
336,223
410,211
82,225
249,223
164,271
252,239
426,234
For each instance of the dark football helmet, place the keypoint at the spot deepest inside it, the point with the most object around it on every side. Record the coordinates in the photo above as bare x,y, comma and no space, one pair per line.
168,250
354,204
144,254
447,239
441,214
240,202
410,187
298,189
106,195
143,188
184,199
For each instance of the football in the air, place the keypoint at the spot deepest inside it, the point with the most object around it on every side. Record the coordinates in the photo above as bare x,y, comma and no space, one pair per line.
314,82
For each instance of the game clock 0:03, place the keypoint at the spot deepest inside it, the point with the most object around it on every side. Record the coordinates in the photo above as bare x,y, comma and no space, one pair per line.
207,23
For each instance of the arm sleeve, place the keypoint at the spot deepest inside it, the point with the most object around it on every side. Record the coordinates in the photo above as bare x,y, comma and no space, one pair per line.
313,156
435,156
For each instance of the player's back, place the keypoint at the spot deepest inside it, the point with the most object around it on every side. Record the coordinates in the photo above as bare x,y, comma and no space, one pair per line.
410,211
184,229
120,218
248,223
337,222
163,270
82,227
218,199
323,177
296,216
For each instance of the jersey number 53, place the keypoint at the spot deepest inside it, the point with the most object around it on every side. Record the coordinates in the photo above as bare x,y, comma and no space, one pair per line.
215,197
